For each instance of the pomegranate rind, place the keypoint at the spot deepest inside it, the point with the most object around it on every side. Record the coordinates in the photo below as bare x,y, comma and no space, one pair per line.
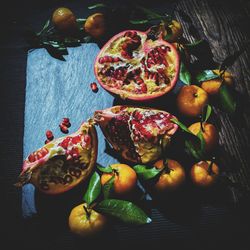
31,170
145,151
138,97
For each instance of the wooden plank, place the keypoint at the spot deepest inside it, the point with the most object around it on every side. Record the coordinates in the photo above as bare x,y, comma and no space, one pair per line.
216,23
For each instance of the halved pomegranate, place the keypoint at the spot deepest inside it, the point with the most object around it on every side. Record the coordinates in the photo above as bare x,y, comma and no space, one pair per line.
139,134
137,66
62,163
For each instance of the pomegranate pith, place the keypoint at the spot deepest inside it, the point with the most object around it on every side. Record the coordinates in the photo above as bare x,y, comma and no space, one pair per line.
135,67
139,134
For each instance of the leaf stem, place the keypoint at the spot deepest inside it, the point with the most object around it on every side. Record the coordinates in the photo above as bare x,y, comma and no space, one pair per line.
87,212
201,123
210,167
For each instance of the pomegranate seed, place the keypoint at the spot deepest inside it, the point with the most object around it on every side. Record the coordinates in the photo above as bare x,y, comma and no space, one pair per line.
76,139
94,87
136,138
87,139
105,58
44,151
101,60
65,142
39,155
47,141
117,59
64,129
32,157
65,120
144,88
49,135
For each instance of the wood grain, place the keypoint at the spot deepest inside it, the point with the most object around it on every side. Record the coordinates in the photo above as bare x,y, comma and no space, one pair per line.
216,23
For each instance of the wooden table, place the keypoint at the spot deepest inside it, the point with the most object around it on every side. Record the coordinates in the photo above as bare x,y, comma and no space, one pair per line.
225,26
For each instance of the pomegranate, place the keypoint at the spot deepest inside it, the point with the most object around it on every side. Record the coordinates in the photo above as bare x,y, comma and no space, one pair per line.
138,66
139,134
62,163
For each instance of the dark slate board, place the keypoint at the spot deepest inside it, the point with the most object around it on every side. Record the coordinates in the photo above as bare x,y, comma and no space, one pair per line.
57,89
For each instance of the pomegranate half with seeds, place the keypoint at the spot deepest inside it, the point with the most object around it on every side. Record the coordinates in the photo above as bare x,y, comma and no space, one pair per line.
62,163
140,135
136,66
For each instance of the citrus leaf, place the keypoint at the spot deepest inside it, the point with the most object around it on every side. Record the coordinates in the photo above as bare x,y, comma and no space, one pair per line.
46,25
208,112
194,44
181,125
202,141
226,99
98,5
107,169
125,211
192,150
185,75
145,172
169,33
149,13
107,188
94,189
139,21
206,75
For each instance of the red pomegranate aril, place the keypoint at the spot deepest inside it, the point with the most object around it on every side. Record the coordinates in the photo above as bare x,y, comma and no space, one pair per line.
76,139
32,157
143,88
66,122
39,155
87,139
94,87
44,151
101,60
63,129
65,142
49,135
117,59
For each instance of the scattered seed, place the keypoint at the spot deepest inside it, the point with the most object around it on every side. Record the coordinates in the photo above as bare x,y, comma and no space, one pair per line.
64,129
49,135
94,87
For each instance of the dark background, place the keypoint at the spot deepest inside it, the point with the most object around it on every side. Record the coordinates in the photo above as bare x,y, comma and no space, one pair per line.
220,226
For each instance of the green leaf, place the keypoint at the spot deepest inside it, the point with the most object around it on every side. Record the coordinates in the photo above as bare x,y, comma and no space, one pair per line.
194,44
94,189
107,169
191,149
202,142
98,5
226,99
149,13
46,25
146,172
208,112
139,21
185,75
125,211
169,32
181,125
206,75
107,188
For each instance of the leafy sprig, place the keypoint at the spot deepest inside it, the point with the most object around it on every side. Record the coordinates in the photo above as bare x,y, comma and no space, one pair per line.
123,210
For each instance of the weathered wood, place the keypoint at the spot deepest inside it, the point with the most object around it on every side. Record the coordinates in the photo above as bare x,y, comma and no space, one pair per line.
216,23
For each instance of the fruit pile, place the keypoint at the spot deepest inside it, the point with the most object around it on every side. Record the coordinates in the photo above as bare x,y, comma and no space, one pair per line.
138,66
